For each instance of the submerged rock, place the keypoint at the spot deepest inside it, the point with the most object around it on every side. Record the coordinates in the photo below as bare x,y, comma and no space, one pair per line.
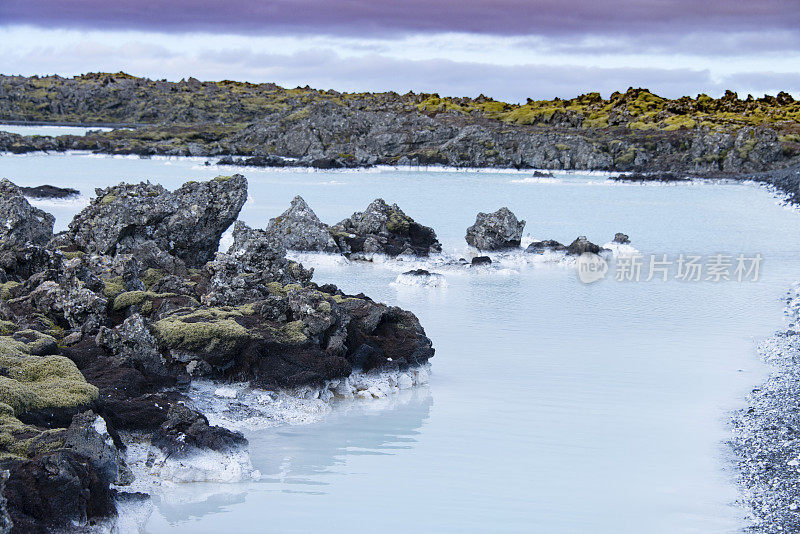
621,238
186,223
539,247
581,245
481,260
385,229
495,231
20,223
49,191
299,228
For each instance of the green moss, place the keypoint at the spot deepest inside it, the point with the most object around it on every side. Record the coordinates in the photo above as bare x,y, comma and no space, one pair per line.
561,147
292,333
108,199
36,382
143,299
113,287
205,331
398,223
222,178
627,157
74,254
790,138
7,328
151,276
7,289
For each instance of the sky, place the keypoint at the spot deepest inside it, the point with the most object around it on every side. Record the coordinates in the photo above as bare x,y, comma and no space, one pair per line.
507,49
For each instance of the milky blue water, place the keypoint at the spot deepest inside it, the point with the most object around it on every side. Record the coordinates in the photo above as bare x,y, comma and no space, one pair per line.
553,406
23,129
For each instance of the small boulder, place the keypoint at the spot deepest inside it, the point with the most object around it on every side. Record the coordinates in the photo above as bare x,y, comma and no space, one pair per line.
495,231
386,230
20,223
621,238
539,247
299,228
481,260
581,245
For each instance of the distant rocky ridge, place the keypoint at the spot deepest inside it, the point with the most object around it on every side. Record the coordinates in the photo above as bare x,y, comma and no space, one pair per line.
103,326
263,124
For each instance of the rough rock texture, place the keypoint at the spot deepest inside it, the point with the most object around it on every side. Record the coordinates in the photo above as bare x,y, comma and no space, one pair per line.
495,231
186,223
581,245
49,191
102,329
55,490
621,238
634,130
539,247
20,223
386,230
299,228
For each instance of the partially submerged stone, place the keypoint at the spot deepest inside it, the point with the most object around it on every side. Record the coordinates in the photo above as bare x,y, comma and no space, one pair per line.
385,229
495,231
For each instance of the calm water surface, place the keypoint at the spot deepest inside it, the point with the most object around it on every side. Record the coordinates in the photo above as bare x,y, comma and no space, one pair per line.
553,406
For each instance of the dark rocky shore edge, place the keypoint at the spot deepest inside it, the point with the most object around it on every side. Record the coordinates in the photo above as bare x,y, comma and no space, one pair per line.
103,328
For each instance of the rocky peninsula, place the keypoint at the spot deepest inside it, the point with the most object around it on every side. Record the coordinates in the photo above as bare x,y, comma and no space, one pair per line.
104,326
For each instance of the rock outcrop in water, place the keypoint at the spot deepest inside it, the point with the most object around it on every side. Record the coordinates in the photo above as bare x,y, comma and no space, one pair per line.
102,327
299,228
384,229
495,231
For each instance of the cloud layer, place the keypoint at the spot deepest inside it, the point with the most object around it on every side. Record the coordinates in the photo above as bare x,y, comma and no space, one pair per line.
360,17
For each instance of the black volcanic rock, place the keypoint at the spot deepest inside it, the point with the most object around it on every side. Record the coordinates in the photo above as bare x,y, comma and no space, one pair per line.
495,231
386,230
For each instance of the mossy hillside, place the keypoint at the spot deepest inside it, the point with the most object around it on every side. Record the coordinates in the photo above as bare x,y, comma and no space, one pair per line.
178,113
291,333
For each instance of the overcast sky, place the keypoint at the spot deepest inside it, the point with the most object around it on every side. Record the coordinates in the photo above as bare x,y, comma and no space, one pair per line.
508,49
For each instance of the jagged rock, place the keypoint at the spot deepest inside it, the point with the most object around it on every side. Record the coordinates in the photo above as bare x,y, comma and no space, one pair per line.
539,247
133,343
299,228
495,231
186,223
56,490
386,230
20,223
581,245
88,436
621,238
185,430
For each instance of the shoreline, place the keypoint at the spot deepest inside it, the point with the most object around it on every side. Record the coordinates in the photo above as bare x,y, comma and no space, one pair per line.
765,433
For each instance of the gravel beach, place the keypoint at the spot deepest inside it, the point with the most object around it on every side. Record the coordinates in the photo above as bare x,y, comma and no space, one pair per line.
766,434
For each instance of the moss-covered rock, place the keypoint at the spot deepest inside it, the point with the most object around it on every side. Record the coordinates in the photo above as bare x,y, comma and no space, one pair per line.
206,331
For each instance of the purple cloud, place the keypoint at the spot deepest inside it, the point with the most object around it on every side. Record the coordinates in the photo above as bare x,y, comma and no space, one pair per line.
381,17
